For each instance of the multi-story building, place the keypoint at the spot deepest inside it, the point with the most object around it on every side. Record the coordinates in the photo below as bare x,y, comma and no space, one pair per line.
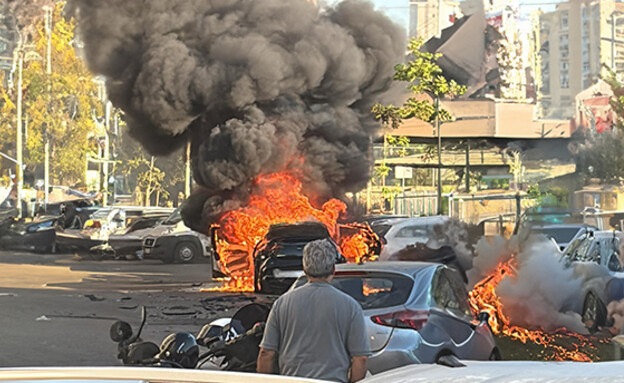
429,17
575,41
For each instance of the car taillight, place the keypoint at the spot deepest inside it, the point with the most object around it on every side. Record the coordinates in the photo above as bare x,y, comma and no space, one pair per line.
414,319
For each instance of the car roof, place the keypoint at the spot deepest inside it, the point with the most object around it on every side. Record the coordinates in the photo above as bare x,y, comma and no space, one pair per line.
303,231
399,267
562,226
608,233
428,220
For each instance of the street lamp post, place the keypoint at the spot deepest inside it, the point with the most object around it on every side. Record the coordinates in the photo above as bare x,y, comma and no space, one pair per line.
19,177
437,119
21,55
46,139
613,26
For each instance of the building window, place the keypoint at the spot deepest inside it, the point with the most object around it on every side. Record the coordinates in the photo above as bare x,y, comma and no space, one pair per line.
564,81
586,67
564,66
563,46
564,20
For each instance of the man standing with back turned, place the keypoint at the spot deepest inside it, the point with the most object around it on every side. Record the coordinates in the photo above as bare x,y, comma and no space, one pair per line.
316,331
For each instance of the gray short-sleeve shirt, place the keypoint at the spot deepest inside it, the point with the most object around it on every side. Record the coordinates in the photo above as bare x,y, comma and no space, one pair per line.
316,329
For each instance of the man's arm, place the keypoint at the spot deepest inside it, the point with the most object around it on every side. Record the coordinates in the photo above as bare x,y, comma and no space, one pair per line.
266,361
358,368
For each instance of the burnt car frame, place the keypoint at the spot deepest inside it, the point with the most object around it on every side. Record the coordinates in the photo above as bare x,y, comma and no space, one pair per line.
278,258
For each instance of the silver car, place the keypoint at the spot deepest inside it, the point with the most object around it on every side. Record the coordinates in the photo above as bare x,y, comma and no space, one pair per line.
415,312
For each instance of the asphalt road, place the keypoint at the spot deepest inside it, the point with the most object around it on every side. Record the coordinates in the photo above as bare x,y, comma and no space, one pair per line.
56,309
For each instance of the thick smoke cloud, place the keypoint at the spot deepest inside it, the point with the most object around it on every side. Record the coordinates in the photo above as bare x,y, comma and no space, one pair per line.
258,86
544,293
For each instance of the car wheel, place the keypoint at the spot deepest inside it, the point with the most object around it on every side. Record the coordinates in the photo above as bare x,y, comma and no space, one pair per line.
96,255
495,355
185,252
594,313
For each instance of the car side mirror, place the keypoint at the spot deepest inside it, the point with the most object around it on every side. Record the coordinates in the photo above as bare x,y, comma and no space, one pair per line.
483,317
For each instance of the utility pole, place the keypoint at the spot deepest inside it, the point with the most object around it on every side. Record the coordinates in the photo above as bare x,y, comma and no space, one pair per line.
106,151
467,166
19,176
613,41
187,170
437,119
46,139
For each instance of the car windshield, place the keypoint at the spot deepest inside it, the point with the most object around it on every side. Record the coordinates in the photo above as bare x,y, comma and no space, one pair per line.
371,290
174,218
381,229
561,235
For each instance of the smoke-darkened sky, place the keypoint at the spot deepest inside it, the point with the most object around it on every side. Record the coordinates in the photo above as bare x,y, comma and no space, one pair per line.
258,86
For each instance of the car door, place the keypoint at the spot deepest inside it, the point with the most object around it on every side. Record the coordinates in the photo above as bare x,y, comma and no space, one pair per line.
452,316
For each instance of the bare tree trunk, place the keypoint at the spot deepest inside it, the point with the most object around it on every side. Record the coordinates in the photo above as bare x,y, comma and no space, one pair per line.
148,190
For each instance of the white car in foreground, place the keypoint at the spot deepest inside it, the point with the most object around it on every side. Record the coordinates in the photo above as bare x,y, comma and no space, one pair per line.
506,372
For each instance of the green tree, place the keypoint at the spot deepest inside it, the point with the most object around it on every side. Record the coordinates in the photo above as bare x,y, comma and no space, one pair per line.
601,155
426,83
62,106
427,86
149,178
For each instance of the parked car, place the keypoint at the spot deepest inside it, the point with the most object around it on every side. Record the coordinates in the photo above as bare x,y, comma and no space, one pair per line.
278,258
103,223
129,242
398,233
37,235
415,312
74,213
602,249
544,216
174,242
561,234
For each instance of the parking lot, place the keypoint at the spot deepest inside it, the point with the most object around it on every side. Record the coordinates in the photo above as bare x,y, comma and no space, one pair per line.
58,308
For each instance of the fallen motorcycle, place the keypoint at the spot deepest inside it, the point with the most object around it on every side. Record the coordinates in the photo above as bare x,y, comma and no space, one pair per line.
231,344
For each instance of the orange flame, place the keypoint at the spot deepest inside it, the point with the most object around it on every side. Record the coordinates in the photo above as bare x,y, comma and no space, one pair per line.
483,297
277,198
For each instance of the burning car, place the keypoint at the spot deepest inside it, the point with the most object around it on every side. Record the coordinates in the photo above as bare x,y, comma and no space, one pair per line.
416,313
278,258
603,284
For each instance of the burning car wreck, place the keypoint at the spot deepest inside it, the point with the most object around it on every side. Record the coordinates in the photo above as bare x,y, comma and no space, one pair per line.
278,258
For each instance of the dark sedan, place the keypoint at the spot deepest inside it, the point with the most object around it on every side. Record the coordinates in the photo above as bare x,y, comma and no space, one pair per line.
278,258
38,235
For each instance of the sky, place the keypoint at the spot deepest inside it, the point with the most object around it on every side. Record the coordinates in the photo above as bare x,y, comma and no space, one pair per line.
398,10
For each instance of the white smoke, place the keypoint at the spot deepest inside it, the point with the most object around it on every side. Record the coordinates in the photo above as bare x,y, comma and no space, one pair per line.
544,292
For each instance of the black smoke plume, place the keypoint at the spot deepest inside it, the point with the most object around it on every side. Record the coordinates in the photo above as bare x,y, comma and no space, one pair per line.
258,86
